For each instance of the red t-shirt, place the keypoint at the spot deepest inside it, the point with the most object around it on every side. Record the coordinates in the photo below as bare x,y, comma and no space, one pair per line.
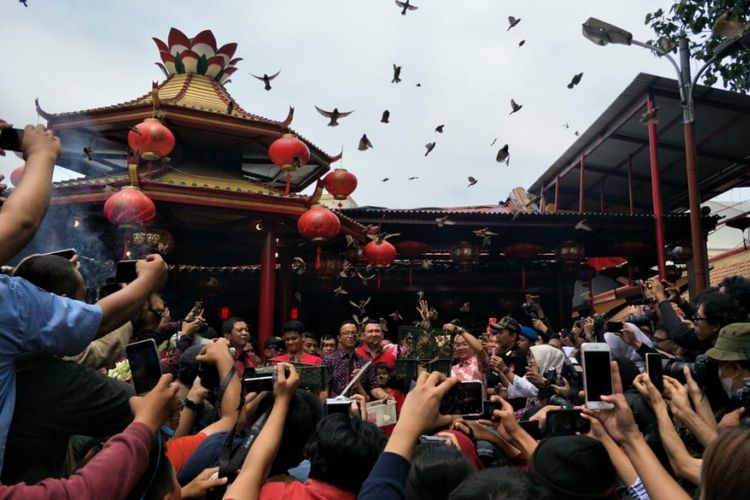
179,449
307,359
309,490
387,356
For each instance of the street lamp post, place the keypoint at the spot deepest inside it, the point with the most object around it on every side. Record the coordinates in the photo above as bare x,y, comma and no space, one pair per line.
602,33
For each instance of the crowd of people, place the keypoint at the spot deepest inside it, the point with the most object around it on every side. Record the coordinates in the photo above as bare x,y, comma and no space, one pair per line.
68,430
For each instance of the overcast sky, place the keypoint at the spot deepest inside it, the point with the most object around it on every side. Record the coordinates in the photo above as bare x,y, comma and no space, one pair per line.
79,54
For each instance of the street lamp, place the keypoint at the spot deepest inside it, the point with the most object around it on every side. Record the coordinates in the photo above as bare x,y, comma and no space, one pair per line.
602,33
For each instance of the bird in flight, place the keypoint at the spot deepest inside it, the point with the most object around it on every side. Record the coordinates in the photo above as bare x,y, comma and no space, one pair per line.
493,142
364,143
520,44
503,155
405,6
413,178
512,21
575,80
650,117
430,146
334,115
582,225
443,221
339,291
386,116
396,74
385,179
267,79
466,307
472,181
515,106
439,128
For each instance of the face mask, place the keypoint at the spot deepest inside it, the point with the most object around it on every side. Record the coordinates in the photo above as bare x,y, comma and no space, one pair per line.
726,384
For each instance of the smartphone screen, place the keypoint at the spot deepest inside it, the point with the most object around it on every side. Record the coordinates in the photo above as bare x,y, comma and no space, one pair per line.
614,326
144,365
597,375
257,384
465,398
653,367
565,423
337,406
11,139
125,271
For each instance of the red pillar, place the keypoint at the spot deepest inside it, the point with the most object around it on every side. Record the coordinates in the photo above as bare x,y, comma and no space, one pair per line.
696,229
581,199
285,286
656,191
267,287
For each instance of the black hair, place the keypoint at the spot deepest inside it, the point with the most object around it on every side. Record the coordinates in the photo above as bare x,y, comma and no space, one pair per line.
501,483
310,335
228,324
305,412
435,471
157,480
292,326
51,273
370,321
383,366
347,322
328,336
720,308
343,450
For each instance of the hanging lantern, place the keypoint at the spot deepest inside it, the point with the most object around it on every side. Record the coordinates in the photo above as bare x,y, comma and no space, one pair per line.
15,176
522,250
412,248
151,139
289,153
318,224
340,183
379,253
570,254
464,255
129,206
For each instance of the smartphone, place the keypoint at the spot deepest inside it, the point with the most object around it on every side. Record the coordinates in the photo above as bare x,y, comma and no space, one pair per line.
11,139
144,365
531,427
465,399
125,271
597,375
335,405
614,326
197,308
489,407
257,384
566,422
654,370
68,253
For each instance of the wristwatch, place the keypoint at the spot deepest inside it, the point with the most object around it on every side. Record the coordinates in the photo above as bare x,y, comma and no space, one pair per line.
196,407
506,370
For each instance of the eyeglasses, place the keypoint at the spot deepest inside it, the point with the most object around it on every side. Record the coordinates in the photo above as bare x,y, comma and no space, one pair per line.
699,318
657,340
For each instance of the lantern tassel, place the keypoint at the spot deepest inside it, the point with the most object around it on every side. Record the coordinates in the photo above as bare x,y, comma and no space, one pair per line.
523,277
288,183
317,258
378,281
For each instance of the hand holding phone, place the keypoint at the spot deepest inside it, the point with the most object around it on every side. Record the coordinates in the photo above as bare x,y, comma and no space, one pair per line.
565,422
597,374
125,271
145,366
67,253
465,399
654,370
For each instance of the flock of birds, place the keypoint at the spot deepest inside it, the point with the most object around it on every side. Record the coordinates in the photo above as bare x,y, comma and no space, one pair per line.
334,115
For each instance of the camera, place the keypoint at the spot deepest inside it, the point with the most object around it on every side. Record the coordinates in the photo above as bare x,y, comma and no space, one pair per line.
699,369
550,376
647,318
741,398
528,310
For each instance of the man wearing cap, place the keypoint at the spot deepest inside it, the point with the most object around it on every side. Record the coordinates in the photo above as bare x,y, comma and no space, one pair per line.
732,351
507,332
527,339
274,347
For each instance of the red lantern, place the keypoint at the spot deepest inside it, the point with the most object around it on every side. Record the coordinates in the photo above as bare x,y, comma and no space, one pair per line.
15,176
289,153
464,255
340,183
318,224
601,263
379,253
522,250
151,139
129,206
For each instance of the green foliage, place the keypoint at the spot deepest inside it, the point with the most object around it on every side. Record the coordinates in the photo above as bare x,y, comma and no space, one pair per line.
696,19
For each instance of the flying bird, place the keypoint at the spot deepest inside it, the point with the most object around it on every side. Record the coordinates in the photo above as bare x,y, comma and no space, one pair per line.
575,80
340,291
351,242
439,129
396,74
666,44
298,296
430,146
484,232
582,225
503,155
427,264
727,26
512,21
386,116
493,142
299,264
413,178
420,295
576,133
24,3
364,278
466,307
472,181
396,316
419,84
334,115
565,125
515,106
87,151
385,179
364,143
361,305
405,6
443,221
650,117
520,44
267,79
